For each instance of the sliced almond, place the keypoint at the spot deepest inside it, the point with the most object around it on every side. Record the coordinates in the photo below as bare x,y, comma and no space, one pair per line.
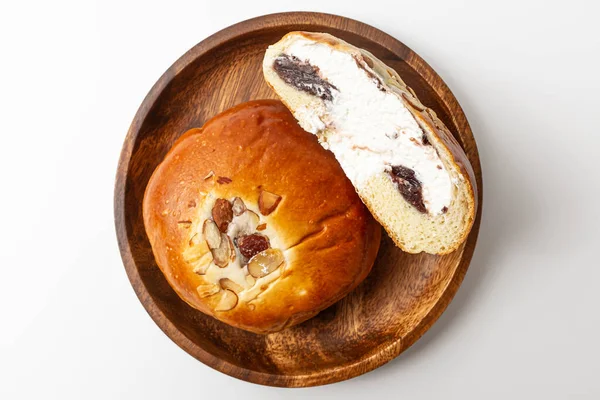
185,223
268,202
392,82
210,174
195,239
244,224
231,250
238,206
432,113
197,255
222,254
207,290
250,221
228,284
265,262
368,61
222,214
191,255
202,267
211,233
194,253
261,227
413,102
227,302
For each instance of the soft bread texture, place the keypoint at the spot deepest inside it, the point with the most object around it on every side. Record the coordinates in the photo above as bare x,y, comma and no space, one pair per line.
328,238
412,230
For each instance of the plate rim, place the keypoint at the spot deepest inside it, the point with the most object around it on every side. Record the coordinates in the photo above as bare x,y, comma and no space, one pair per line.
381,354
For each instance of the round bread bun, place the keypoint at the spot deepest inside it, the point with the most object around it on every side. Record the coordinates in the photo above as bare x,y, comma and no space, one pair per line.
253,222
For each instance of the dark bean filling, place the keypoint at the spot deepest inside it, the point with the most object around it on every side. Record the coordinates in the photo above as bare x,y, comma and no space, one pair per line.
425,140
302,76
409,186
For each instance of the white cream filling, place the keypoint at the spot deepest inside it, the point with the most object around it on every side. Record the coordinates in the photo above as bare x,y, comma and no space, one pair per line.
367,129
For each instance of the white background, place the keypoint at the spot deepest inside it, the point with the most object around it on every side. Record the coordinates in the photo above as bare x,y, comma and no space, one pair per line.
524,325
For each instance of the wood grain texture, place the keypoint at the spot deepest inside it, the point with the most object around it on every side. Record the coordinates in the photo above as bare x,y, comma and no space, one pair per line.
401,298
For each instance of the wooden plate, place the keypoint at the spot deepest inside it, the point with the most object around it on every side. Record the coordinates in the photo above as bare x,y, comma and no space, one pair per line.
389,311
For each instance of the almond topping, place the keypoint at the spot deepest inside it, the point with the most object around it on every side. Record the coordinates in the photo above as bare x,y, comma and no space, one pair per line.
196,252
222,254
207,290
261,227
222,214
228,284
227,302
211,233
210,174
223,180
231,249
413,102
201,268
238,206
244,224
265,262
250,245
194,240
268,202
432,114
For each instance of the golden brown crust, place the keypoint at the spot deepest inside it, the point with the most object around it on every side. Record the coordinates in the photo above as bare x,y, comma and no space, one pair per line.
458,158
328,237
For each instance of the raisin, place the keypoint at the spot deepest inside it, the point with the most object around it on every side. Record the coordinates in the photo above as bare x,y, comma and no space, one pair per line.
250,245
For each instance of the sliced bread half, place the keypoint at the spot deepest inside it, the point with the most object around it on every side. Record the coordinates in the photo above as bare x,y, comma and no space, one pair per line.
403,161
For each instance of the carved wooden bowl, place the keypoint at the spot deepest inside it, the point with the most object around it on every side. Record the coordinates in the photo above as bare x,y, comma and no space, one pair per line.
389,311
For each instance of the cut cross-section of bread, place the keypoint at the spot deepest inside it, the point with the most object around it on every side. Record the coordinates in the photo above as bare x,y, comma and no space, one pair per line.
403,161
